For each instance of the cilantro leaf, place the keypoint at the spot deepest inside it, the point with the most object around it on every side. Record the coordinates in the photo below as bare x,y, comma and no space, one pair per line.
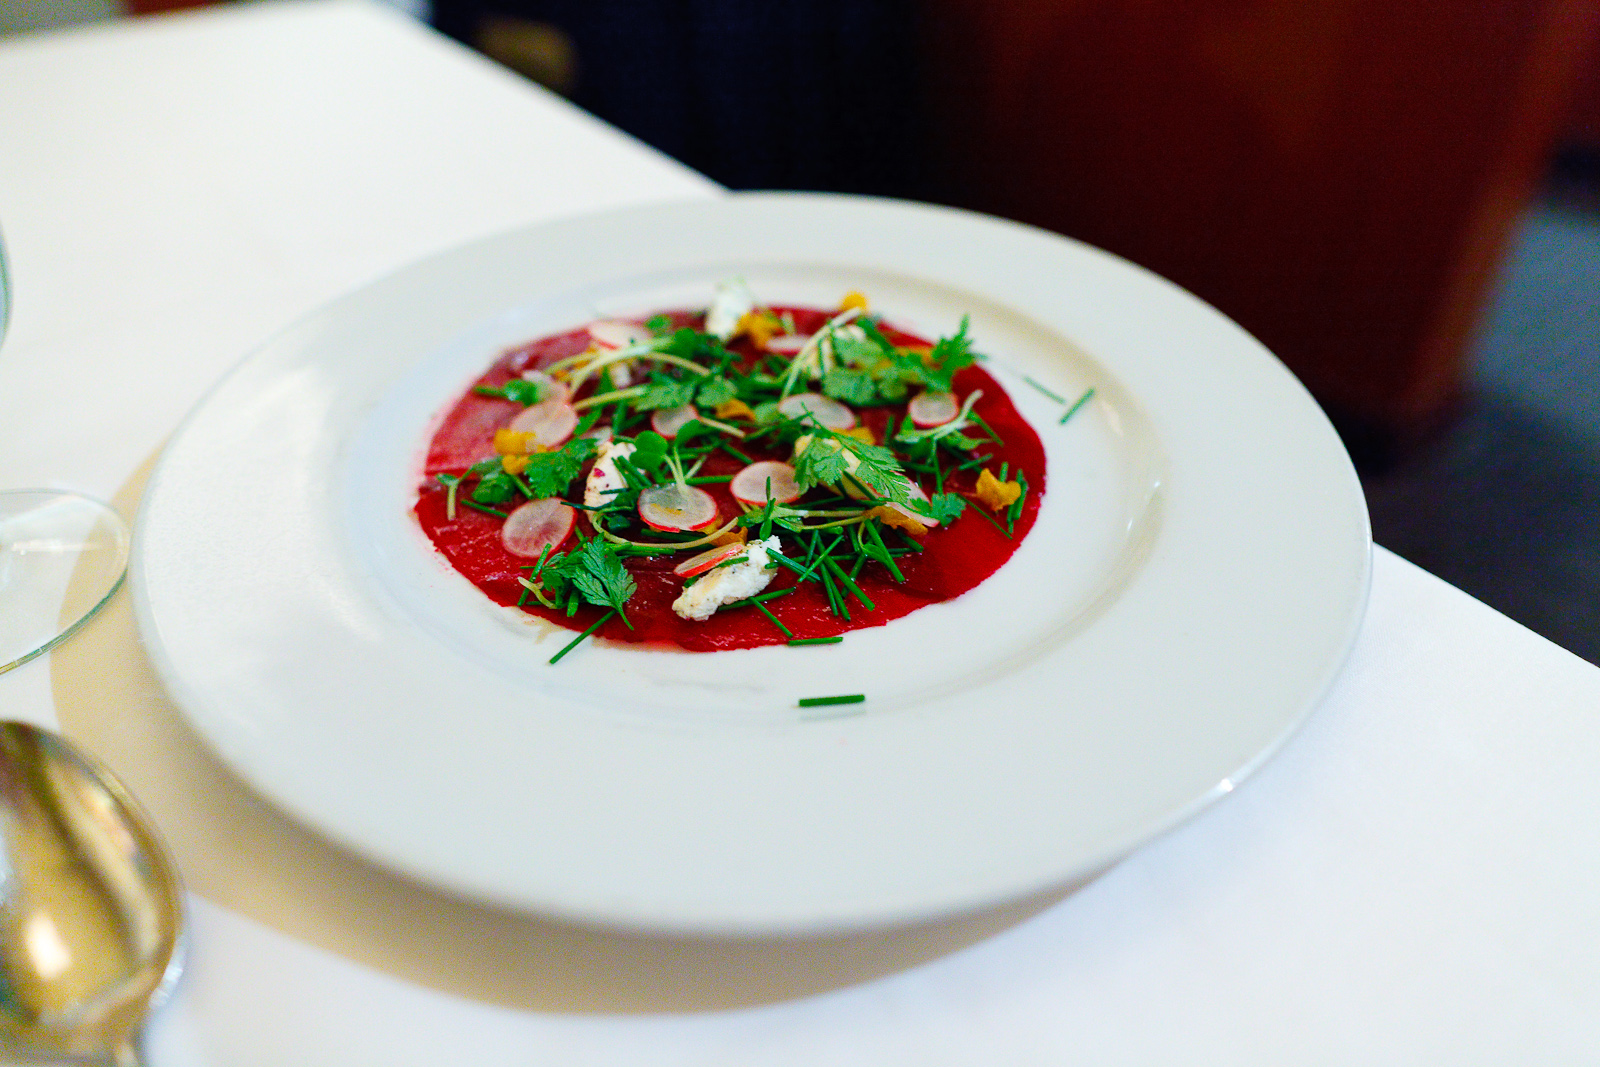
949,355
550,473
495,488
649,451
601,578
831,459
850,386
666,393
715,390
946,507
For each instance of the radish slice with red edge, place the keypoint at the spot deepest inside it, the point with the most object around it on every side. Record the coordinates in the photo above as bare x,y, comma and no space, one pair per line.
550,421
787,344
932,409
612,334
827,411
749,486
668,421
703,562
549,388
536,525
677,508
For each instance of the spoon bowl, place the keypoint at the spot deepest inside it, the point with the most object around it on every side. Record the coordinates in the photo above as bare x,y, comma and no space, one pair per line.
91,913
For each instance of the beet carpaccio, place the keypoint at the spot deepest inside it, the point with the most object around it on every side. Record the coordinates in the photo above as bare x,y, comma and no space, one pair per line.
733,476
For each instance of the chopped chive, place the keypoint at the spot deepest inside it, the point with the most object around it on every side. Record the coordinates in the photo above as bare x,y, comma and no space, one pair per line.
1073,410
815,640
475,506
987,428
710,479
785,561
836,599
735,453
978,509
1049,393
818,702
574,642
763,609
887,559
845,580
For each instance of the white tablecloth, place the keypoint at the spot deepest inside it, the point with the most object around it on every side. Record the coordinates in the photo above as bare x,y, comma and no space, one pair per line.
1413,879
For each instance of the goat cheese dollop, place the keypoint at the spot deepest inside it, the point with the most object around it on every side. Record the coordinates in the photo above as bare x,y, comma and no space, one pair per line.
605,481
725,585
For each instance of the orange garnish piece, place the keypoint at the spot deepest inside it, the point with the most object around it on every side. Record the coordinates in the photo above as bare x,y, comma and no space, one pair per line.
734,409
736,536
895,517
995,493
860,433
514,442
514,464
759,326
853,299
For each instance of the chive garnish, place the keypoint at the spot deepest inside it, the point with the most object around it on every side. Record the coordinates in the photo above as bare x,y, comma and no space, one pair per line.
574,642
763,609
1047,392
887,559
978,508
710,479
1073,410
735,453
815,640
844,580
818,702
475,506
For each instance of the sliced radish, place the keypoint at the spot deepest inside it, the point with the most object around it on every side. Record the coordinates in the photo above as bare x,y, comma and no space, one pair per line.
612,334
550,421
668,421
600,433
749,486
677,508
787,344
549,388
827,411
706,560
536,525
932,409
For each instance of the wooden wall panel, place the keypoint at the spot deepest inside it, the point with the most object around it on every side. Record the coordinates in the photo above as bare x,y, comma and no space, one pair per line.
1337,175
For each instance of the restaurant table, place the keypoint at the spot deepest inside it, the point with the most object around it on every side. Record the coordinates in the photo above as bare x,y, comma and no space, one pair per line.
1413,878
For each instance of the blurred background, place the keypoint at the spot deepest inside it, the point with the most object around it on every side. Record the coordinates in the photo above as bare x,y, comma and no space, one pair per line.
1401,200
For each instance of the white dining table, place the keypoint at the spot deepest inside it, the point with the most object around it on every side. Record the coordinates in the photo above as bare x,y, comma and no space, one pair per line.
1414,878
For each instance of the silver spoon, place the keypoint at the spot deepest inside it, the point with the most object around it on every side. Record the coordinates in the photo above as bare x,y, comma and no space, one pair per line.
91,913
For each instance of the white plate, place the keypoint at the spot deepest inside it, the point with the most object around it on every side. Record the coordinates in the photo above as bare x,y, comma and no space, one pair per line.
1195,580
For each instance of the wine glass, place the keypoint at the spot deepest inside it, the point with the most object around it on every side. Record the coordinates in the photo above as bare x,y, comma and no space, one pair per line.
62,555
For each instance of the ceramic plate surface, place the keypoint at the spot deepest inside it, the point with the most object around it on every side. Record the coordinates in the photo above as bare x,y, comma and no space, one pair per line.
1195,579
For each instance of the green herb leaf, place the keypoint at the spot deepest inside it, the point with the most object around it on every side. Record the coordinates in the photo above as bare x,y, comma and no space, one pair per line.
649,451
850,386
495,488
551,473
715,390
603,580
946,507
666,393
